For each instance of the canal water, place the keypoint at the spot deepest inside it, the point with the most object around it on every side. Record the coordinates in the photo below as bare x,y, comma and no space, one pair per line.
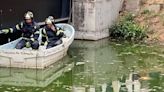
100,66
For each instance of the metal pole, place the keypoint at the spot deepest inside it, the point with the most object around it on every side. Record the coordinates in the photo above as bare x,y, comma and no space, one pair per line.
70,11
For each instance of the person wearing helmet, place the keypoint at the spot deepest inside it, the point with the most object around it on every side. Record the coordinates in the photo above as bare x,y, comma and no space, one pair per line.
51,35
29,31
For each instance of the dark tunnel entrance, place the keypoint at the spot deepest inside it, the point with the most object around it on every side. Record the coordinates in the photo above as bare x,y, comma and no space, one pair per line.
12,11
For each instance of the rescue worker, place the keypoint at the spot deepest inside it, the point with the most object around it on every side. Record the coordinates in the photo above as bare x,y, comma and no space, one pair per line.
51,35
29,31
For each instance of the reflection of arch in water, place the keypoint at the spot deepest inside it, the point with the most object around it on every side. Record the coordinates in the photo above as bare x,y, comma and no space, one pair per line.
34,77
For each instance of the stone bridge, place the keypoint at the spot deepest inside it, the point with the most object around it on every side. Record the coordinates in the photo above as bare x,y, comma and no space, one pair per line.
92,18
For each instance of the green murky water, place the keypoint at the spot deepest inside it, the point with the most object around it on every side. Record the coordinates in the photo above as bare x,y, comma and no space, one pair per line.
100,66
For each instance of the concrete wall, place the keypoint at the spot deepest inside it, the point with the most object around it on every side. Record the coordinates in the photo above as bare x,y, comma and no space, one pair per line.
92,18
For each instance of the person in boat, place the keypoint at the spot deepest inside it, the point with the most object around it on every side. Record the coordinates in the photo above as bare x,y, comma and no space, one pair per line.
51,35
29,31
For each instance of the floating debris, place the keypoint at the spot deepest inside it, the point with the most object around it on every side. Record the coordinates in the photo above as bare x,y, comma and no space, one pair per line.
159,87
80,63
161,55
87,61
145,78
37,89
143,52
6,91
118,44
52,89
13,87
154,53
17,89
127,53
8,88
111,63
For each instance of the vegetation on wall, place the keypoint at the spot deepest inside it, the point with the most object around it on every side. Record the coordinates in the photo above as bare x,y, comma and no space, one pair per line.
127,29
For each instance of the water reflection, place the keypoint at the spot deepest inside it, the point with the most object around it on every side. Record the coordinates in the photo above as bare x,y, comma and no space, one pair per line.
13,78
105,66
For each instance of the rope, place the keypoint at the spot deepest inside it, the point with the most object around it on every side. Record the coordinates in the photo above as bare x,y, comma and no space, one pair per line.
36,60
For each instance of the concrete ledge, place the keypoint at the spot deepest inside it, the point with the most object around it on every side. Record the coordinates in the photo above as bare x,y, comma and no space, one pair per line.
91,35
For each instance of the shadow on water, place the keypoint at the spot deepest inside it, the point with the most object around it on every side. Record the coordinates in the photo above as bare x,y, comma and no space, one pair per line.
100,66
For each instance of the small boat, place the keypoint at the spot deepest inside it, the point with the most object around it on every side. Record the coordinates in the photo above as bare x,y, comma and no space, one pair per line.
42,58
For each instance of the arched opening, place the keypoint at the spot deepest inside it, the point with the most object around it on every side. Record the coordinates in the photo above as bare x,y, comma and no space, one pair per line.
12,11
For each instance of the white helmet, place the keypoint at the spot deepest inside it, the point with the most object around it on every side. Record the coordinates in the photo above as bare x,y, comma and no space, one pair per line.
50,20
28,15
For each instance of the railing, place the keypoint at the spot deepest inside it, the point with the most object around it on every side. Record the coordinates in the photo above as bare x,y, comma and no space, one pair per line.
57,20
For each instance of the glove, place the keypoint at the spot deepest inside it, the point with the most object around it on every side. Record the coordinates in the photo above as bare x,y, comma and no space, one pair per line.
4,31
28,45
59,32
32,39
46,43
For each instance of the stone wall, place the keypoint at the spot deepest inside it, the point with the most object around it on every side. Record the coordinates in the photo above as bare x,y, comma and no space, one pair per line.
132,5
92,18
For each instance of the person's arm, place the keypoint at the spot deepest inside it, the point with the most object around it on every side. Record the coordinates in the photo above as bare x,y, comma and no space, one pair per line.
58,30
36,33
18,27
60,33
44,37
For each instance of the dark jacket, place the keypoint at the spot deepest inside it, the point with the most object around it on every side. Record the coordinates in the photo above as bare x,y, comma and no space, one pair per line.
49,35
27,31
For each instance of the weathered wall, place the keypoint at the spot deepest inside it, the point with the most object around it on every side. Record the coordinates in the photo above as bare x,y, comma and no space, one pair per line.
92,18
132,5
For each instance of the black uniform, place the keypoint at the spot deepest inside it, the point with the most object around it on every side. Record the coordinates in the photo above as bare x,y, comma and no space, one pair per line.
53,38
30,34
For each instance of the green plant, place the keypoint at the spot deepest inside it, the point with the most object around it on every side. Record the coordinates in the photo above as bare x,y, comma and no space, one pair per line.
127,29
145,12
